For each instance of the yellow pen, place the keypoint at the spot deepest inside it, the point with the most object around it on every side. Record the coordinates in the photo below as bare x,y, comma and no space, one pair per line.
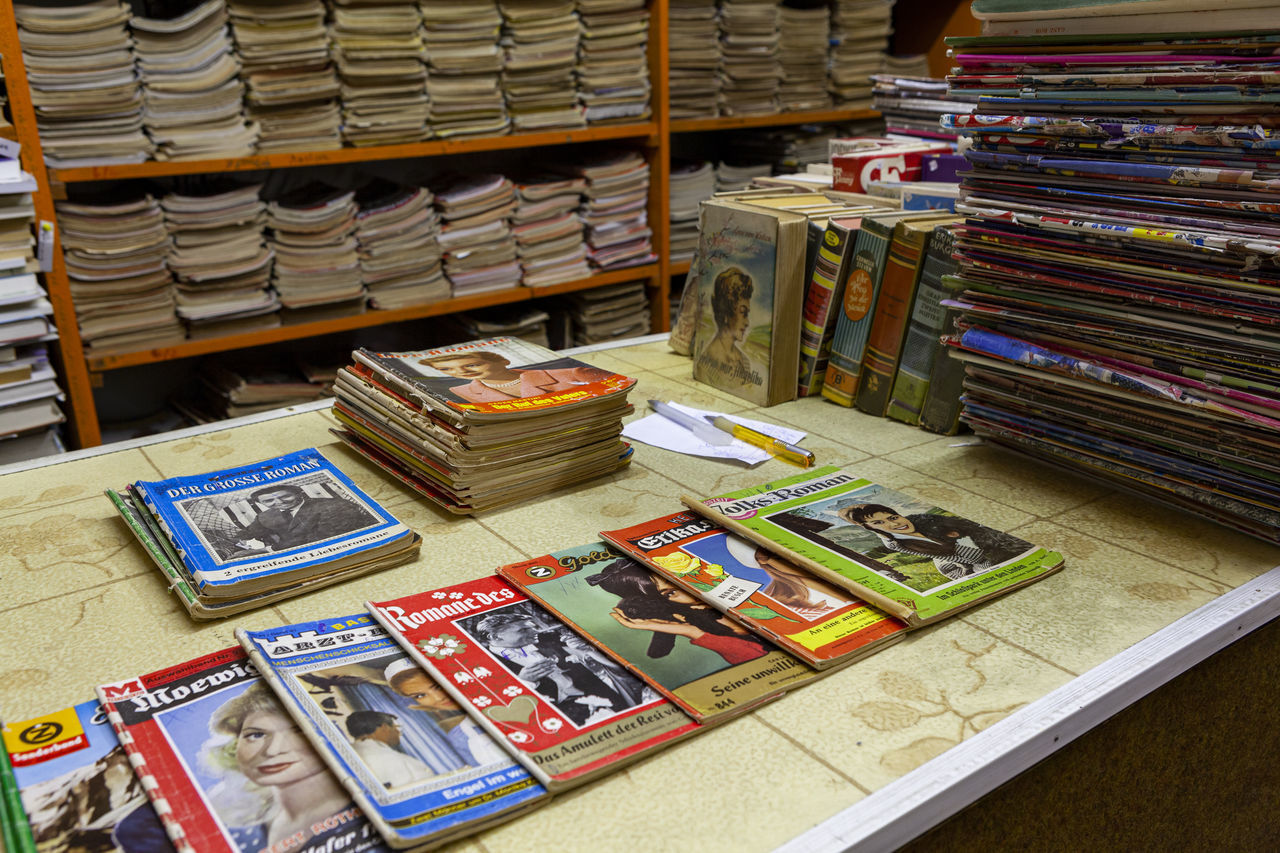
776,446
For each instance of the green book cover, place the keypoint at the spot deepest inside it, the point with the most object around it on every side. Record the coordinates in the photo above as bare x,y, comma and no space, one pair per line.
921,345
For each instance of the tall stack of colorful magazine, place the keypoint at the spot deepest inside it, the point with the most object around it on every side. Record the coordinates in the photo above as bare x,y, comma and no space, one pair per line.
1121,257
483,424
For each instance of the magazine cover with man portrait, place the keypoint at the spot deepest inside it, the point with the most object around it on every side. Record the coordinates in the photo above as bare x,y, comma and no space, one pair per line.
419,767
558,704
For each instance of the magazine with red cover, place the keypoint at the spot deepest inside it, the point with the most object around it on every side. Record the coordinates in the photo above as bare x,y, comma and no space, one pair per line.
706,663
817,622
560,706
225,765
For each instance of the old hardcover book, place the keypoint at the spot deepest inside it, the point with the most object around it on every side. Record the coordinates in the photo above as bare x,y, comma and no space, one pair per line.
703,661
224,764
420,769
259,527
77,788
823,296
890,315
821,624
920,347
751,291
861,292
909,558
560,707
940,411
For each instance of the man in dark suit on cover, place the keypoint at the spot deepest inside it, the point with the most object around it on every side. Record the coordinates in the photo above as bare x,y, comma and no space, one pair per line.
291,518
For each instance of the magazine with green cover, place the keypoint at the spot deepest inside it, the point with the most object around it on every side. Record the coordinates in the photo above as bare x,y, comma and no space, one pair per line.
914,560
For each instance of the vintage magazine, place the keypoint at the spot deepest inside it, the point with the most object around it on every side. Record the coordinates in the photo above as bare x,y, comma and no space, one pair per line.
77,786
913,560
705,662
821,624
421,769
494,379
561,707
271,523
226,767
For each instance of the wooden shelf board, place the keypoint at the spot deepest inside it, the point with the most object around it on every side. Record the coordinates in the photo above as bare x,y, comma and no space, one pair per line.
690,125
289,332
431,148
679,267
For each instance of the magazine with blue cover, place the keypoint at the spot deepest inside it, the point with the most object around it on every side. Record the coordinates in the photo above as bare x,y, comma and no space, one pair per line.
418,766
263,525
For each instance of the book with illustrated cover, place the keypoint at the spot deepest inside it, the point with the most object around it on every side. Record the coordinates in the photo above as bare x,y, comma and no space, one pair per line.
259,527
78,790
419,768
823,296
909,558
705,662
494,379
751,289
226,767
819,623
560,706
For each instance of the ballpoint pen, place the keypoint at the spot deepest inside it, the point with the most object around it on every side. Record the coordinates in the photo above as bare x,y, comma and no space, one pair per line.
776,446
696,425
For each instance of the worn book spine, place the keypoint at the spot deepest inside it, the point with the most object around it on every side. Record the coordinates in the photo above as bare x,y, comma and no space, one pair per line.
821,303
889,320
940,411
922,341
853,321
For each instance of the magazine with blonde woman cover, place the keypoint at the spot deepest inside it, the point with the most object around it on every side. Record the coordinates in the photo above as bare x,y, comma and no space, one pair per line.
914,560
225,766
421,770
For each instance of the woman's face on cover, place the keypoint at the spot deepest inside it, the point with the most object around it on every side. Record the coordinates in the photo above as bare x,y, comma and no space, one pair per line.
425,693
271,751
673,593
470,366
889,522
739,319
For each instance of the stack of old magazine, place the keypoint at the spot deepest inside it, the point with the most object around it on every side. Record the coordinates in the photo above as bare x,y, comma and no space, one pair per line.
483,424
242,537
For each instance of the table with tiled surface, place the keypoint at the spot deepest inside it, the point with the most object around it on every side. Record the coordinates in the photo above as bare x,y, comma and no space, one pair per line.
83,605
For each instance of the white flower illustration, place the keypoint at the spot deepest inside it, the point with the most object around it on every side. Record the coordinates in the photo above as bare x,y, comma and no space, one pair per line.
482,701
520,737
462,678
481,672
512,691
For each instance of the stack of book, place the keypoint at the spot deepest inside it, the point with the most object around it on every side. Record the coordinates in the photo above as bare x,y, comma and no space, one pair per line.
231,387
483,424
1120,255
692,182
516,321
84,86
476,238
732,177
914,106
803,43
219,256
540,44
860,31
610,313
613,62
191,85
115,260
293,89
548,229
693,59
313,237
397,242
616,210
381,60
464,60
242,537
750,72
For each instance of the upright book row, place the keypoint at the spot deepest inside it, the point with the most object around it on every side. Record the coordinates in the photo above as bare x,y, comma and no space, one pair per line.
437,714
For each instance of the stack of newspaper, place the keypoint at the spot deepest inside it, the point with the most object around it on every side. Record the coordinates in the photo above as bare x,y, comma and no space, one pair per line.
750,71
693,59
382,67
313,235
84,86
464,67
692,182
397,241
191,85
479,248
548,229
803,36
860,31
483,424
239,538
616,210
609,313
613,63
293,89
540,42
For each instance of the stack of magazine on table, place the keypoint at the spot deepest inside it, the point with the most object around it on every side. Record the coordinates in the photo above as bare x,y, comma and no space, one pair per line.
483,424
443,712
242,537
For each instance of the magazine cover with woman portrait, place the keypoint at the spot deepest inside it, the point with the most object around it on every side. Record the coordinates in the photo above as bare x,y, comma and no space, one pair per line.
226,767
243,529
419,767
495,378
704,661
822,624
914,560
559,705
